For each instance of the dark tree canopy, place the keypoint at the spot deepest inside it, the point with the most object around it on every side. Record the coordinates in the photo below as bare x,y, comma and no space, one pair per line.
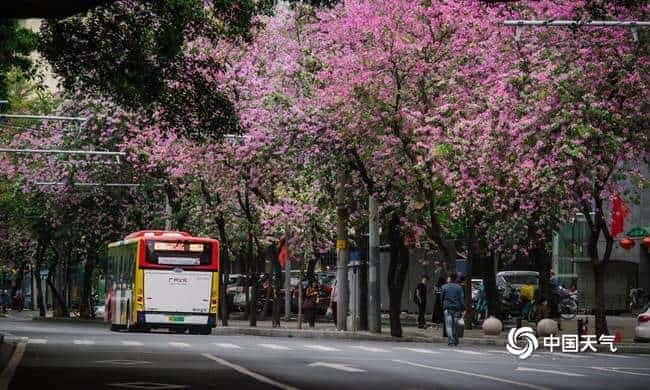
16,44
130,50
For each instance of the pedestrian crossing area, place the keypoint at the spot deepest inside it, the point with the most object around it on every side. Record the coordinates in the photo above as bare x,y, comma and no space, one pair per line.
341,348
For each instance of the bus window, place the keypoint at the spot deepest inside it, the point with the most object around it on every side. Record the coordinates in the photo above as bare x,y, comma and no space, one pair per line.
178,253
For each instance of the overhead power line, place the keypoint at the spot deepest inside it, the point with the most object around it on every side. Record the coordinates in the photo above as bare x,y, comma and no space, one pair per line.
44,117
60,151
631,24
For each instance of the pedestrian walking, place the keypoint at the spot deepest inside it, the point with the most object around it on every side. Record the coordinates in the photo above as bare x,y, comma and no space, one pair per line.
18,299
311,300
437,317
334,296
453,304
420,299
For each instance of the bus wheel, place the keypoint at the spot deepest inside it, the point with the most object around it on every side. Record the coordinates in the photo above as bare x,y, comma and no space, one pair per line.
115,328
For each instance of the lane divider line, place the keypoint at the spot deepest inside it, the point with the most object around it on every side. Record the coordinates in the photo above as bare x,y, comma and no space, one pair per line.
492,378
129,343
227,345
622,370
368,349
548,371
463,351
275,346
418,350
37,341
83,342
179,345
322,348
10,369
249,373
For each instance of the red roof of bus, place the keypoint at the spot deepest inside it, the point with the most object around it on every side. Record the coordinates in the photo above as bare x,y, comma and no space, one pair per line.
142,233
166,235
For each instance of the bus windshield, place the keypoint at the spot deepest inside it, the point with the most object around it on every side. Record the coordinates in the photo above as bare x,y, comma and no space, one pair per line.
178,253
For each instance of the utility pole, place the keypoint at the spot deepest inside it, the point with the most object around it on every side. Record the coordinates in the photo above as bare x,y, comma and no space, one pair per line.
374,271
342,252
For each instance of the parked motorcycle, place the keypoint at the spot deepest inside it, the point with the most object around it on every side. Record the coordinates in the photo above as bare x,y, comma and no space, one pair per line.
568,304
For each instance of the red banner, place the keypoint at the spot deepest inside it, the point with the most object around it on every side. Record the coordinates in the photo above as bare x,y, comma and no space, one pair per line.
619,213
282,256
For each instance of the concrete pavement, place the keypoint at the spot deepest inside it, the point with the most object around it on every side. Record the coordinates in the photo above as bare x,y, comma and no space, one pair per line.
68,355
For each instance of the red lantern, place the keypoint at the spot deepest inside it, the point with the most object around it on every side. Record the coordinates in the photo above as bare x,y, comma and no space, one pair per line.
626,243
646,243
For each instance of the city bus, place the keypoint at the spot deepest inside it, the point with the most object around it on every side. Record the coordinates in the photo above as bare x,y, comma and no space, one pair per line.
162,279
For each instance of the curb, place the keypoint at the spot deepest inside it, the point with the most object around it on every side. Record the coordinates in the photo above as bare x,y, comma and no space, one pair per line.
70,319
342,335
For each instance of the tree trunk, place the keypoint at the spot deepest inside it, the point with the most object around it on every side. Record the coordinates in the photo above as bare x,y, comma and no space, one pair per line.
399,263
599,310
542,261
363,295
252,315
59,306
472,258
36,274
224,310
85,306
491,285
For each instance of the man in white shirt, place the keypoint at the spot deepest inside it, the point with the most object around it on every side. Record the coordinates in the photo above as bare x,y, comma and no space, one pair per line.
334,296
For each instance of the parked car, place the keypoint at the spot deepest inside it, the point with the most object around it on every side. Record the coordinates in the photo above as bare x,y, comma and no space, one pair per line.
99,309
234,290
517,279
642,329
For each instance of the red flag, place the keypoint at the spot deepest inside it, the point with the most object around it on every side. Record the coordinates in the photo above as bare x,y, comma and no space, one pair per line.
282,256
619,213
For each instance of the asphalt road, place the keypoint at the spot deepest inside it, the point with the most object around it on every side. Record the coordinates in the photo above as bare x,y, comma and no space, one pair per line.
88,356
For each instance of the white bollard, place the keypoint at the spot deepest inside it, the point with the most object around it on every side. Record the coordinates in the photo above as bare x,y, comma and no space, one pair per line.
547,327
492,326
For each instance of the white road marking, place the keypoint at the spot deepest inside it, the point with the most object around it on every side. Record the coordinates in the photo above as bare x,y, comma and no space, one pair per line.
368,349
247,372
322,348
123,362
336,366
463,351
37,341
83,342
132,343
508,381
9,370
419,350
610,355
548,371
227,345
147,386
179,345
623,370
275,347
573,355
